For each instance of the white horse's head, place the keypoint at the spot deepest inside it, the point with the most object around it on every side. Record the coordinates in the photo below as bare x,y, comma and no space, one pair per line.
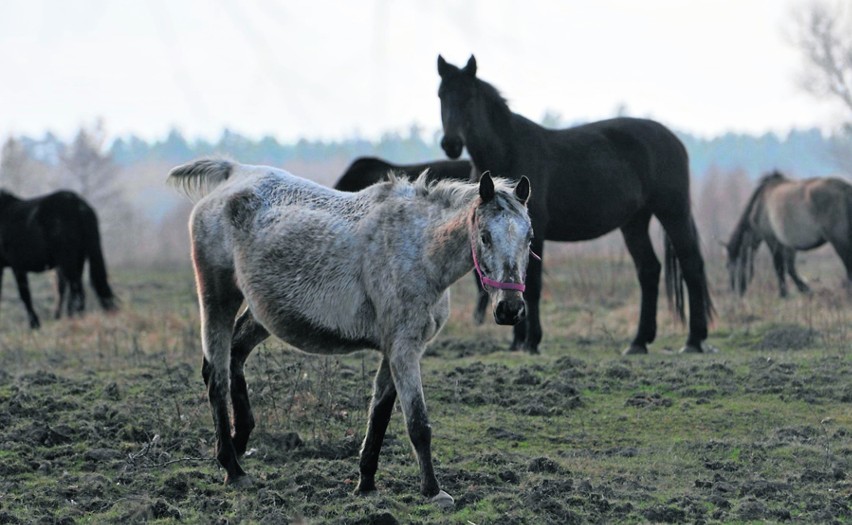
501,233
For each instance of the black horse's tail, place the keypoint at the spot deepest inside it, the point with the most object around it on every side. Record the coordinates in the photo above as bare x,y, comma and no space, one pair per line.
97,266
674,280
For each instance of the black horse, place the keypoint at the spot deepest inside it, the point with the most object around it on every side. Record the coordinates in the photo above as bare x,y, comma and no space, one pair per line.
587,181
58,230
365,171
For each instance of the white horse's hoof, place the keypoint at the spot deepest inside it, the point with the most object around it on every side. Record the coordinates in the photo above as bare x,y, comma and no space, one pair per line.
443,500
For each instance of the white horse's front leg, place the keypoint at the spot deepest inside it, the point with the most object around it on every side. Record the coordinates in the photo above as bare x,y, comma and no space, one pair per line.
405,370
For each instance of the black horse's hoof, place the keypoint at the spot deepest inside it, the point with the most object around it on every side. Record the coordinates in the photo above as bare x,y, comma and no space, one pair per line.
238,482
523,347
35,324
478,317
372,493
635,349
691,349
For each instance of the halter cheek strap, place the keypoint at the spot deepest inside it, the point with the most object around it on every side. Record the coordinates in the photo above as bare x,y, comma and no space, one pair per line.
486,281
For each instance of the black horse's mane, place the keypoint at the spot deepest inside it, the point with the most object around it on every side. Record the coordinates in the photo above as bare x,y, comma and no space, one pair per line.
495,100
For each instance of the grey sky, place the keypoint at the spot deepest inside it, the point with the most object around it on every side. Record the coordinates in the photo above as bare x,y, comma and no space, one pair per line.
334,69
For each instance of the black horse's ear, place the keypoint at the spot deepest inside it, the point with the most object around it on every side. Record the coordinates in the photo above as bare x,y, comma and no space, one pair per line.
522,190
470,68
444,67
486,187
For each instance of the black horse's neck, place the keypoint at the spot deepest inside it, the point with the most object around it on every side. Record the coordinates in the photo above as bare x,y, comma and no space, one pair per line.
488,136
6,199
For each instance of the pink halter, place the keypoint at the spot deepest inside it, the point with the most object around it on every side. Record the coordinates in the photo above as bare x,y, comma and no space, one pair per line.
486,281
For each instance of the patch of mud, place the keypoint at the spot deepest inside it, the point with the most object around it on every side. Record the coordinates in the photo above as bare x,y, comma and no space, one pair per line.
646,400
788,337
454,347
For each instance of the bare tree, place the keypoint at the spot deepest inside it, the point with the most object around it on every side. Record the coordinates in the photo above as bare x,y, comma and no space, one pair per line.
20,173
823,33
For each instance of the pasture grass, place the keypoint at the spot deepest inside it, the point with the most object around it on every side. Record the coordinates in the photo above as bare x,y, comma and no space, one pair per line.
105,418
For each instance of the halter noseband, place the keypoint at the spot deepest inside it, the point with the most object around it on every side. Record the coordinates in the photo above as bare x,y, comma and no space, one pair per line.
486,281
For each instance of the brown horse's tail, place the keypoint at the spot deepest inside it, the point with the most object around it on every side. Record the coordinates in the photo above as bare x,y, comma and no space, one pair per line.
674,280
97,266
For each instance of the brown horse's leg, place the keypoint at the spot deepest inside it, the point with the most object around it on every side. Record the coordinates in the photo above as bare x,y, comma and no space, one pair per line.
777,250
405,370
684,237
527,333
648,269
790,264
24,292
381,407
843,247
247,335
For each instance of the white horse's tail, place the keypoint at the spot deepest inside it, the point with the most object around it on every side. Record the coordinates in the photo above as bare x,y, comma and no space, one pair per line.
197,178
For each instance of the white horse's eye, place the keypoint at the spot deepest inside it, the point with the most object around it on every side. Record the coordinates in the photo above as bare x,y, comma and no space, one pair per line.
486,238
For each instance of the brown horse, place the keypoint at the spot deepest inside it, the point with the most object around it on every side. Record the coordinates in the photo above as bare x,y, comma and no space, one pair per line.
791,215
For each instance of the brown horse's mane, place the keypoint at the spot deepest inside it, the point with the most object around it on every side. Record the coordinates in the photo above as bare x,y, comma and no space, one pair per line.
742,246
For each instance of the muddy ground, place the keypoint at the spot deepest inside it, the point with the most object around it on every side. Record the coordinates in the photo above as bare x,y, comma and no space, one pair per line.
105,419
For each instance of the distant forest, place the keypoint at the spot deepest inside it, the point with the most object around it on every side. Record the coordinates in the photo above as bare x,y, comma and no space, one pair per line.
144,221
801,153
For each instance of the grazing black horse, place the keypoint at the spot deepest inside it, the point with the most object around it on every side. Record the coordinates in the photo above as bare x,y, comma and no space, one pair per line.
366,171
58,230
589,180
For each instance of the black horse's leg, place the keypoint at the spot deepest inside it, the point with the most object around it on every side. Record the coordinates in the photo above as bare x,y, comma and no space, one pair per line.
482,301
24,292
790,263
77,296
381,407
648,268
405,370
777,250
527,333
684,237
61,288
247,335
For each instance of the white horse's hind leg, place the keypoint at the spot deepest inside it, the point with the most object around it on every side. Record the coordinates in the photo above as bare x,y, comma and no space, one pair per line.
405,370
219,300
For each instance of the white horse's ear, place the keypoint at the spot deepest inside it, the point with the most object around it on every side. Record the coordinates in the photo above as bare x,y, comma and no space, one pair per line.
470,68
522,190
445,67
486,187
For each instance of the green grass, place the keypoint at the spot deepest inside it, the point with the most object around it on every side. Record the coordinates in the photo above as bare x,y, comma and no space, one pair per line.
577,433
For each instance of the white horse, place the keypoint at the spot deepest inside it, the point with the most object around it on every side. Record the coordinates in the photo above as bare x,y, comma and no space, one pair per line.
333,272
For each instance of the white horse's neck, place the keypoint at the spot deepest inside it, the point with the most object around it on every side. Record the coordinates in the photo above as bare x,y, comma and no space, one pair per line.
448,248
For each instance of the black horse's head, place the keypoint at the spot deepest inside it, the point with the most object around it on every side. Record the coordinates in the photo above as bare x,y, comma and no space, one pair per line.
458,86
